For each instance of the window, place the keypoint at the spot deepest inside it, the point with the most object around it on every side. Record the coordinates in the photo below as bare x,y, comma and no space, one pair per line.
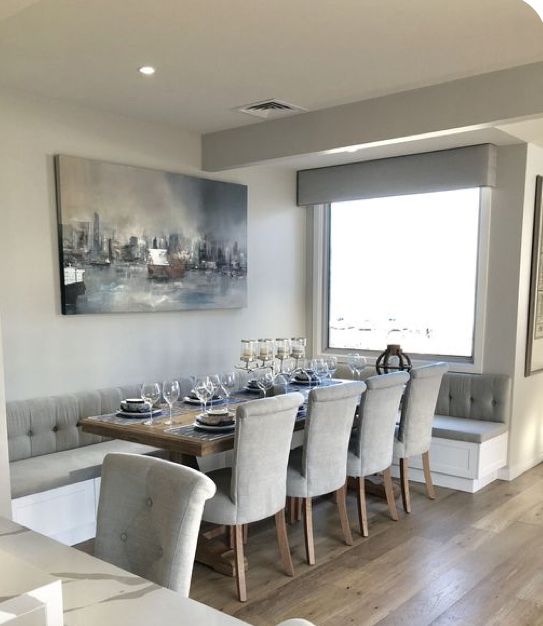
404,269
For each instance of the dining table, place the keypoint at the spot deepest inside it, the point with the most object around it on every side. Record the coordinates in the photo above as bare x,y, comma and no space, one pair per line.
186,443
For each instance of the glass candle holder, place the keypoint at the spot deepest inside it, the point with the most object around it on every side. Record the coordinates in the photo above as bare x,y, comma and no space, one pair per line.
248,350
283,348
298,347
266,349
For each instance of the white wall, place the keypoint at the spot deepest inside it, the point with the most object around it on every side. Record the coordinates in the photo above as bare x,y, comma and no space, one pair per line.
526,433
47,353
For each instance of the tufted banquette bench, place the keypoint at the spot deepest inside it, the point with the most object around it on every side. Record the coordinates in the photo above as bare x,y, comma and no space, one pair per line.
470,430
55,467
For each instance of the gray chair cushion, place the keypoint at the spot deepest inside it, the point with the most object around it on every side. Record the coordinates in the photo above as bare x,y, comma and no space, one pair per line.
328,427
418,409
371,447
463,429
258,477
48,471
149,518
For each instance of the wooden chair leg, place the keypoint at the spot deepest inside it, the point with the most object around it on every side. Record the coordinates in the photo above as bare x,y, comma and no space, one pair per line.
341,501
308,531
362,513
240,563
299,509
231,537
282,540
292,509
245,533
404,482
428,476
389,493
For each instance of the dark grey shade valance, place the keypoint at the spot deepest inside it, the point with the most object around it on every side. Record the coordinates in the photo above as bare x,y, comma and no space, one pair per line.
458,168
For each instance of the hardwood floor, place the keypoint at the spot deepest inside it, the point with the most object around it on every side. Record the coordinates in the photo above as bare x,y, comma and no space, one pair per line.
464,559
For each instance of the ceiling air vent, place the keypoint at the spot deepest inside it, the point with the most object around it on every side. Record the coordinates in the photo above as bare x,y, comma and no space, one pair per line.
267,109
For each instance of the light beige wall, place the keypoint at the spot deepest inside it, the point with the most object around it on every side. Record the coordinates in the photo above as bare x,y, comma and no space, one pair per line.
47,353
5,492
526,433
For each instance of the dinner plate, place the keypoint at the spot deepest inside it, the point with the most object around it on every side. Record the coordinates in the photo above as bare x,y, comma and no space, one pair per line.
195,401
138,414
252,389
297,381
214,429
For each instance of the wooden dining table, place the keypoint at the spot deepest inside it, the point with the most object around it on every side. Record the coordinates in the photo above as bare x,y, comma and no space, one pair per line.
185,444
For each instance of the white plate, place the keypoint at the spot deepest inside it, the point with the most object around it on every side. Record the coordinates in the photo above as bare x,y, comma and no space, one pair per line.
296,381
252,389
138,414
190,400
214,429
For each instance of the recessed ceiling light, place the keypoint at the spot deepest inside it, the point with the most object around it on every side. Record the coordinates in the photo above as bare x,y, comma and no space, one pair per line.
146,70
537,6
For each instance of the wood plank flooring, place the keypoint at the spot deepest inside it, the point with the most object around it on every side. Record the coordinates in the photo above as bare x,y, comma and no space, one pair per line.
467,559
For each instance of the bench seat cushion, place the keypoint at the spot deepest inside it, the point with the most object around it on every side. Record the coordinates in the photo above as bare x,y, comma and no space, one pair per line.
464,429
48,471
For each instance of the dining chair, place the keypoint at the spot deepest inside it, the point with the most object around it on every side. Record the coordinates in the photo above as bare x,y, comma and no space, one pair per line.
296,621
372,443
414,433
149,516
254,488
320,465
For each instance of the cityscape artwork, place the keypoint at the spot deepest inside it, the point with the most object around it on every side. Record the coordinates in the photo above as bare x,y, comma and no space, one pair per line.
141,240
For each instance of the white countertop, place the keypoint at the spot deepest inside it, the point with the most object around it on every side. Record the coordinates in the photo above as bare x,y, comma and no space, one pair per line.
96,593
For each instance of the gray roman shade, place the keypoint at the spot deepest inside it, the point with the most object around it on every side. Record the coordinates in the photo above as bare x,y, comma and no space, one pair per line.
459,168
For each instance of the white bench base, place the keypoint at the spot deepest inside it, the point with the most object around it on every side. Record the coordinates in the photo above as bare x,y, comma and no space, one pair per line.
461,465
68,514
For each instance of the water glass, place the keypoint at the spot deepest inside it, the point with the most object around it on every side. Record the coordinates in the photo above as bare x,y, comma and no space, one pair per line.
228,385
203,389
357,364
170,392
150,392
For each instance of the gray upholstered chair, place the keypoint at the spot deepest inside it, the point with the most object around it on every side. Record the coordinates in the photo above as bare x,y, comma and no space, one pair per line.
372,444
149,517
320,467
254,488
296,621
414,434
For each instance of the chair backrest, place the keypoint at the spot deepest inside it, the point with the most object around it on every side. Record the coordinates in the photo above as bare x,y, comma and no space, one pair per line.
379,409
261,449
419,407
149,517
328,426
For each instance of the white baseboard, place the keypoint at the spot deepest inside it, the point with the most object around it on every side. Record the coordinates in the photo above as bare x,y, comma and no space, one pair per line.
510,472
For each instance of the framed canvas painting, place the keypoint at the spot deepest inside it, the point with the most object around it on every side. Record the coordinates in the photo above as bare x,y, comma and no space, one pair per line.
140,240
534,342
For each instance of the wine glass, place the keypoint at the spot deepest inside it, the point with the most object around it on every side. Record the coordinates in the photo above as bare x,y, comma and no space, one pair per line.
265,381
203,389
216,382
170,392
150,392
332,366
357,363
228,385
321,367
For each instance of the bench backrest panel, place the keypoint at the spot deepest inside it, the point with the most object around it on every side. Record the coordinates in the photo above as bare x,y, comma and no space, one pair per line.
45,425
475,396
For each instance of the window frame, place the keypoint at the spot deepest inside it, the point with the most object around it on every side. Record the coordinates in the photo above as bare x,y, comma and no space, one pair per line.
318,263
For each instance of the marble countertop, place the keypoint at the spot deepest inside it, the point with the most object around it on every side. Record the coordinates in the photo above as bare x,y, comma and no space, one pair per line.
96,593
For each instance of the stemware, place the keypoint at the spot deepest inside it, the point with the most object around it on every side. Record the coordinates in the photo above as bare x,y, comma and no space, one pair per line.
321,369
170,392
332,366
216,382
203,389
358,364
264,380
228,385
150,392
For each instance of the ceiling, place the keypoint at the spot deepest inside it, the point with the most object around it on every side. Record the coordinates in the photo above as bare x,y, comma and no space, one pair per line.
214,55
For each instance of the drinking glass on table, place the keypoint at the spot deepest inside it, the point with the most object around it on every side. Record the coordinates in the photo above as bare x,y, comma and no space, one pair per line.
332,366
170,392
228,385
358,364
264,380
150,392
203,389
216,382
321,369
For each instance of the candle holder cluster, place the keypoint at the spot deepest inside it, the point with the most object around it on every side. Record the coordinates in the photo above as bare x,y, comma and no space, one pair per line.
256,353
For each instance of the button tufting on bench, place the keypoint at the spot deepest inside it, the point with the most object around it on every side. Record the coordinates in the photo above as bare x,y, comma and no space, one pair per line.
149,502
124,536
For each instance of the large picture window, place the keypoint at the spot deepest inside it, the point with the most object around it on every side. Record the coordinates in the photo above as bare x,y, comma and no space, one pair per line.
403,269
